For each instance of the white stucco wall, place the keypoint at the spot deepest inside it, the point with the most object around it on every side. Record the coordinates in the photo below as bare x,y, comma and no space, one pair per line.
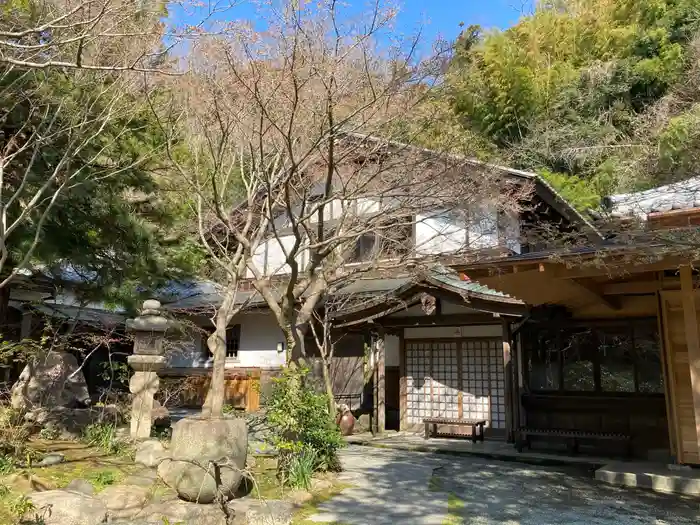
483,227
259,337
258,345
439,234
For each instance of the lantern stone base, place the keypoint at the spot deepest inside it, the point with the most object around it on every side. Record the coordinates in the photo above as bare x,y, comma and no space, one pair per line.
143,386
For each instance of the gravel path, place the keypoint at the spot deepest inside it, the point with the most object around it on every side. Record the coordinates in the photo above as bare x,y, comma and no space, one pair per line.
397,487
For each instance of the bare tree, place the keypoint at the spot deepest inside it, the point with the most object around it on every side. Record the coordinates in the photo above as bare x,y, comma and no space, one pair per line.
103,35
329,102
301,172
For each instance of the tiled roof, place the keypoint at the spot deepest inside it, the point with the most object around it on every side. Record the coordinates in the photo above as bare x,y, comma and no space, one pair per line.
680,195
451,278
437,275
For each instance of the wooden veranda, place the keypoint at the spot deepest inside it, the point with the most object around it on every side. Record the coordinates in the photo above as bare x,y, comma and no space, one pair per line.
623,289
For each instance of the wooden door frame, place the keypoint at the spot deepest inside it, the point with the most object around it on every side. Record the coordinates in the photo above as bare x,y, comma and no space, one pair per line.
403,388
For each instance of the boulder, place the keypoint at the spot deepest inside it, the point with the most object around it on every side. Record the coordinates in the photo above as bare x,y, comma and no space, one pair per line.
52,379
68,422
197,483
150,453
80,485
195,444
178,511
270,512
124,501
62,507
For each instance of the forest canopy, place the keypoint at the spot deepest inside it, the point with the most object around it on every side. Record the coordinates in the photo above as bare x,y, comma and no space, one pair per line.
598,96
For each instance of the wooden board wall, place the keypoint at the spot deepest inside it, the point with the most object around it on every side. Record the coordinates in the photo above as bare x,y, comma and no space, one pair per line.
242,392
678,382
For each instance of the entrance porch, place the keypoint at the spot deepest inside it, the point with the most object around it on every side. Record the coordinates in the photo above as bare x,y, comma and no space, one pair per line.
611,344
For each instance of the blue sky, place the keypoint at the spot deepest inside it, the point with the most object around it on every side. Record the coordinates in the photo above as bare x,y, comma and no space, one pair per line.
437,17
442,17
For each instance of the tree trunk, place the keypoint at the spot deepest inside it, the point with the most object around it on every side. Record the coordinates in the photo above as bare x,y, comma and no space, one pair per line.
216,342
328,383
6,368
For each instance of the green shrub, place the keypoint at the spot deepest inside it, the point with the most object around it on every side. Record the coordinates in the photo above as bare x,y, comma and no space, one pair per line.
301,469
300,420
104,437
20,506
102,479
49,433
6,465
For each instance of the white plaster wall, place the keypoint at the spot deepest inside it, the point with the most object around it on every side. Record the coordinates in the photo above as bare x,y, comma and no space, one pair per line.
259,259
391,350
367,206
427,332
276,257
509,224
259,337
258,345
439,233
483,226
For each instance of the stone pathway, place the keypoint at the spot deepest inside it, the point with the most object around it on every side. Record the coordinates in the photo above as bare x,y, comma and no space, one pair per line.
394,487
388,488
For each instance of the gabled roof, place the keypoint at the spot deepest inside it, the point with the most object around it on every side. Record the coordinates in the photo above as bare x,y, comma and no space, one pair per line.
369,299
542,188
682,195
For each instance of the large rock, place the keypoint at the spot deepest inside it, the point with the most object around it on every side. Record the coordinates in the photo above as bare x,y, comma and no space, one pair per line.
151,453
270,512
178,511
124,501
52,379
68,422
195,444
80,485
62,507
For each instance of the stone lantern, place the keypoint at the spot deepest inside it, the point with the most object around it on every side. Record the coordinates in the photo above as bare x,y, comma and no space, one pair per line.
149,334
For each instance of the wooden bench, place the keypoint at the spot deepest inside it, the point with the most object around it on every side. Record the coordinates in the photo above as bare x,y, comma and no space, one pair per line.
524,434
474,423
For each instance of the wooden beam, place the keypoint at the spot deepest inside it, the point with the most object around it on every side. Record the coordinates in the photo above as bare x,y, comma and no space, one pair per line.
403,383
443,320
460,382
614,267
692,337
508,366
594,293
380,384
634,287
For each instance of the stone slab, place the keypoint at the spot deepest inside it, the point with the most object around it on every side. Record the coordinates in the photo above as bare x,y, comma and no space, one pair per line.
653,476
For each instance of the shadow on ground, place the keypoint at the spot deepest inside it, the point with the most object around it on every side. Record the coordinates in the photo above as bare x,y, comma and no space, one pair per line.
392,487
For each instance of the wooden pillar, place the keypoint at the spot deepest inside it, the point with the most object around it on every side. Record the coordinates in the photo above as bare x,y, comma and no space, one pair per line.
692,336
508,365
666,368
403,383
460,381
380,385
